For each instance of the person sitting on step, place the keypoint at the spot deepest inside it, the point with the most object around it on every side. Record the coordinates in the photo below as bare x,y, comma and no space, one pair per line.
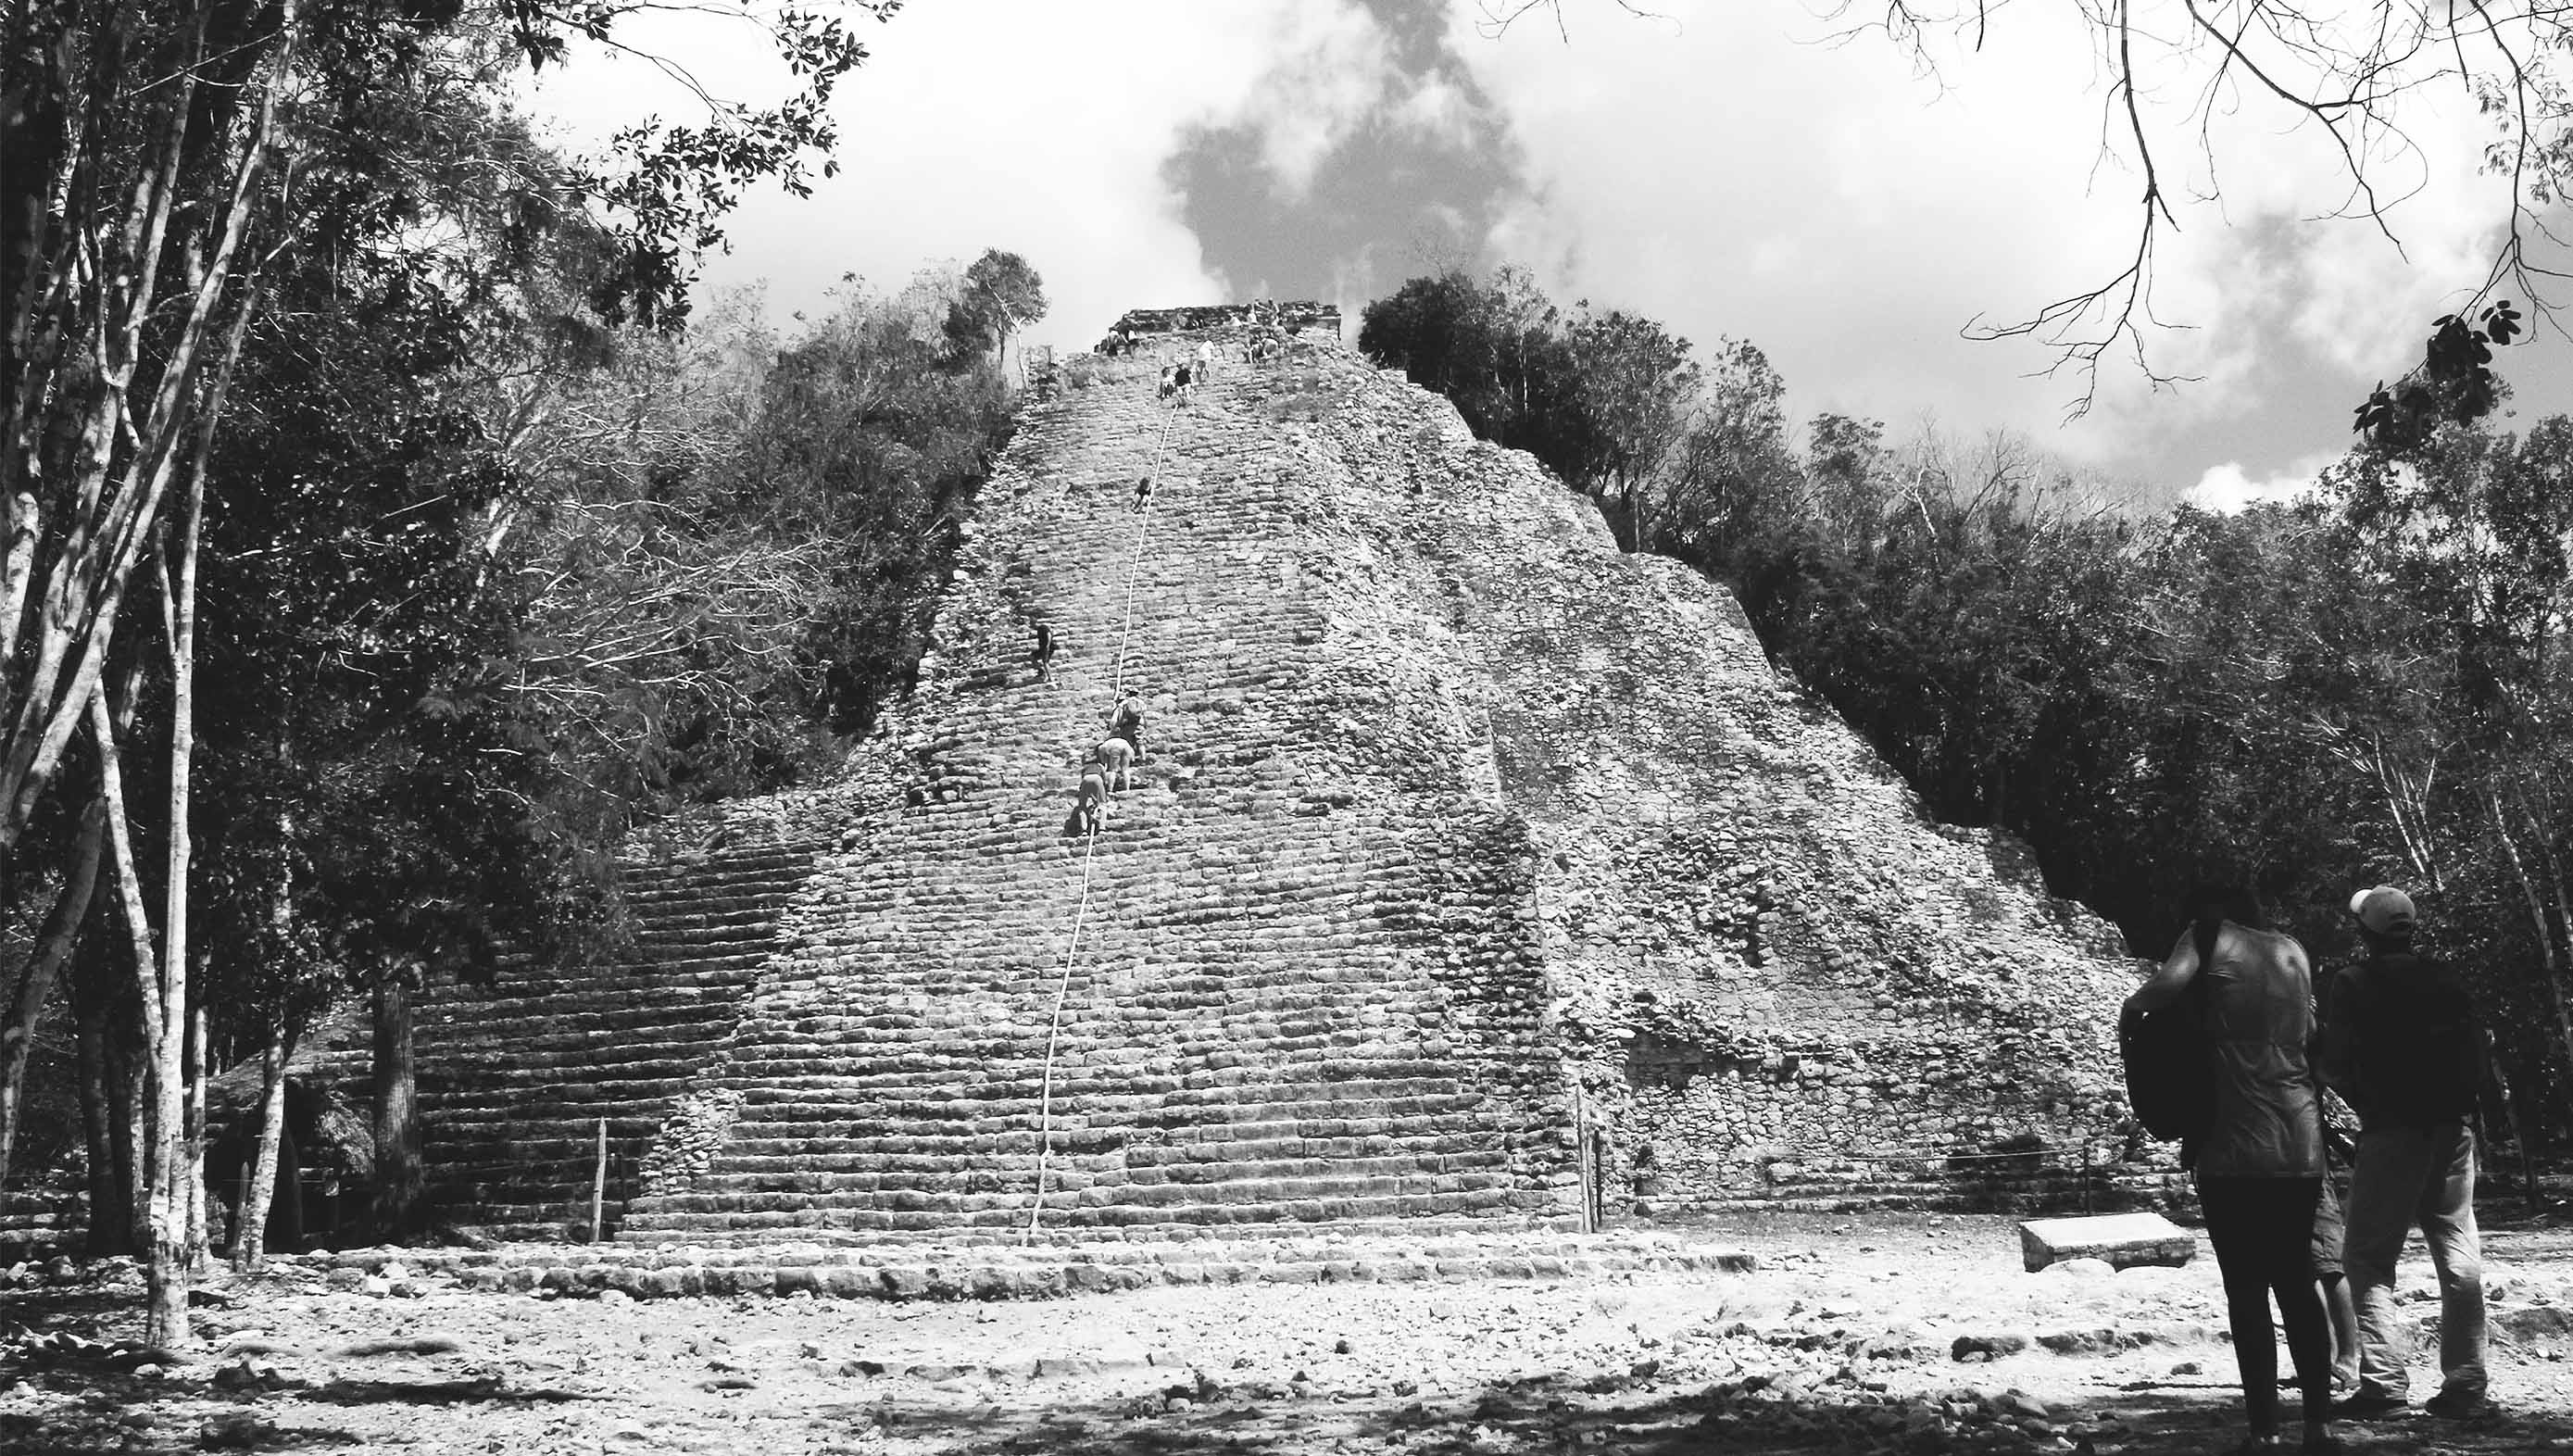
1143,491
1086,814
1128,723
1115,757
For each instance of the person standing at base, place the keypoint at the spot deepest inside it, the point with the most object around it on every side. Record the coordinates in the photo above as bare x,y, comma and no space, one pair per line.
2260,1165
2341,1152
2330,1269
2404,1044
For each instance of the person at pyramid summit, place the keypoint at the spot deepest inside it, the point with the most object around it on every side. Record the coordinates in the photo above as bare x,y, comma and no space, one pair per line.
2260,1165
2404,1044
1170,385
1181,378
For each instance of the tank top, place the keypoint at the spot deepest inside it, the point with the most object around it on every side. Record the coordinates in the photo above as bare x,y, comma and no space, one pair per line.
2259,1017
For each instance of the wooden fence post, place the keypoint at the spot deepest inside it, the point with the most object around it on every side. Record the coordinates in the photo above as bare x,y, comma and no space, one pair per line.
598,1184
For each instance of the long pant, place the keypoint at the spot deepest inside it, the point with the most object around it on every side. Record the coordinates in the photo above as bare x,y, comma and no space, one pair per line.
2264,1231
2426,1176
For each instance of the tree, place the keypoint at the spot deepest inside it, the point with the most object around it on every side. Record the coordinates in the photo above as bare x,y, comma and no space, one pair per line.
1001,295
869,439
1498,352
1638,388
1732,474
1435,329
73,894
154,158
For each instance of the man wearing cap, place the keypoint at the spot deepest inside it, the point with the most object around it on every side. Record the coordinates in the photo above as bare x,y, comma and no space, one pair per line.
2404,1045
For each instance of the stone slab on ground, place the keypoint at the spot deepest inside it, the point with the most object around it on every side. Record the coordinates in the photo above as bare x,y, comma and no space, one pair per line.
2123,1240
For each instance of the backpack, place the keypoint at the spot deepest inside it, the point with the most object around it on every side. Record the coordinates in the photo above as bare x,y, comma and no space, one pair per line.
2171,1082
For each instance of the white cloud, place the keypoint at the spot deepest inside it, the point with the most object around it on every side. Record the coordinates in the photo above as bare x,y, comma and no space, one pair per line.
2228,488
1724,172
1029,125
1439,110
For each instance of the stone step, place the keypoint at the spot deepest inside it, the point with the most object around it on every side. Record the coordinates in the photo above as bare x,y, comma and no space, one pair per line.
1011,1059
474,1062
1389,1171
1246,1200
905,1156
1262,1101
1090,1127
489,1028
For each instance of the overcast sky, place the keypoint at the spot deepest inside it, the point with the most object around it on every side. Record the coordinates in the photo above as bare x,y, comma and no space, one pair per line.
1723,169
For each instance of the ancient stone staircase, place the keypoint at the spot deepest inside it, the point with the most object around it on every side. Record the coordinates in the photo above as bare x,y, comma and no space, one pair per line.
515,1076
1308,986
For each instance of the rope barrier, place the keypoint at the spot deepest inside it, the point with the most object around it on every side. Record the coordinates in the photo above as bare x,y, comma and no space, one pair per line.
1089,849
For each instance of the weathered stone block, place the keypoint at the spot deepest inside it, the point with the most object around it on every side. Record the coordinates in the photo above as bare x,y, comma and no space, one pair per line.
2120,1239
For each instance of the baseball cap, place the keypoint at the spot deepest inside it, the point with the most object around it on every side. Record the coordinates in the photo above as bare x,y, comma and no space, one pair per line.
2385,910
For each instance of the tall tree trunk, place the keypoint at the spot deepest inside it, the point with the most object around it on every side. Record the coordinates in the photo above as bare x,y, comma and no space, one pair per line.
36,985
159,1111
2512,1108
134,1127
111,1231
287,1221
173,1020
398,1167
178,1168
2536,904
192,1166
249,1228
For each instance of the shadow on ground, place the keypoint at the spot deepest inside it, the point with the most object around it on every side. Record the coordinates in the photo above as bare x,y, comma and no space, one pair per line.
2151,1418
2161,1420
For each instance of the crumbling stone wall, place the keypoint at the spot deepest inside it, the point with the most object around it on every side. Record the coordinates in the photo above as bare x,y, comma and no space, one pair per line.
1300,315
1778,979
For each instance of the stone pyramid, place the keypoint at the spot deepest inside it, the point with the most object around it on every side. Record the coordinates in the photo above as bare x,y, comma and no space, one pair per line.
1474,871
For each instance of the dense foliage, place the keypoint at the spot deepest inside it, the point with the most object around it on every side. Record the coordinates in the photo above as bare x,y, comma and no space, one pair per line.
380,550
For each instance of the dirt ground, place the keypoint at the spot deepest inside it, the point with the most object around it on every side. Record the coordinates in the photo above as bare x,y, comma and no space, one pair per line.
1848,1337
